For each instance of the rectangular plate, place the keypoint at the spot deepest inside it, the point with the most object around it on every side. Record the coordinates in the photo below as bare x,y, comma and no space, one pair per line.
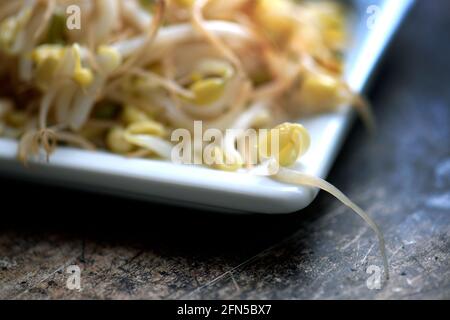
201,187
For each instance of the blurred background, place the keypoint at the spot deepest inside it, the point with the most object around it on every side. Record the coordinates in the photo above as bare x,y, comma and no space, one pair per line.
401,176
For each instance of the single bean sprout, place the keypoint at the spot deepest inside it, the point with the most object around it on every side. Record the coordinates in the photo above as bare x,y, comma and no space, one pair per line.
138,69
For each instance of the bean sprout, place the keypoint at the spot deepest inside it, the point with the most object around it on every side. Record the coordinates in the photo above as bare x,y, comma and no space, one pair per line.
139,69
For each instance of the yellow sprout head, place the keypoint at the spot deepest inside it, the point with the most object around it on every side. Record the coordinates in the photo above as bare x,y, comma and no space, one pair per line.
47,59
276,17
209,81
149,127
321,92
109,58
10,29
293,142
131,114
82,76
45,52
226,161
207,91
115,140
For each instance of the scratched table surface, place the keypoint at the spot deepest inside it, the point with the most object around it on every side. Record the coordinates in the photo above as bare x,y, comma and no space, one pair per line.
136,250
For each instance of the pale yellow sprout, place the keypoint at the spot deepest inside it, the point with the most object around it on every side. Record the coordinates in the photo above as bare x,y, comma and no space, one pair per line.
321,92
293,142
7,33
212,67
11,27
332,22
207,91
210,83
108,58
262,119
235,64
198,22
225,161
47,51
51,58
116,142
153,143
106,19
276,17
82,76
132,114
147,127
298,178
47,59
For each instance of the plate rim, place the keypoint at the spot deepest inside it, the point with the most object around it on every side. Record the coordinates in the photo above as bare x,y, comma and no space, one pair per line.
195,186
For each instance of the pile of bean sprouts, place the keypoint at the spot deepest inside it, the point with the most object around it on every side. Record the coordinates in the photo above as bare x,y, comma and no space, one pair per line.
134,71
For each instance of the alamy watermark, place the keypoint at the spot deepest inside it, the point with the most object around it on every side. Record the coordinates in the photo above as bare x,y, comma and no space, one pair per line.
73,21
374,13
251,146
74,280
374,281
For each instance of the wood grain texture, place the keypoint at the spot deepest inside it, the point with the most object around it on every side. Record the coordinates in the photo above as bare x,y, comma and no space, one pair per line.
134,250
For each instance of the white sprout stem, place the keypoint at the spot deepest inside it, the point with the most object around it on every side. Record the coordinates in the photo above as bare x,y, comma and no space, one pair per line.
226,120
26,145
134,15
170,85
244,122
46,103
107,17
43,22
179,117
298,178
21,39
176,116
218,107
63,102
138,57
83,104
199,24
174,34
25,68
247,118
158,145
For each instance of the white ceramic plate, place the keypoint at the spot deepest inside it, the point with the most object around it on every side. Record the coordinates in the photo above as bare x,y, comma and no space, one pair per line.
202,187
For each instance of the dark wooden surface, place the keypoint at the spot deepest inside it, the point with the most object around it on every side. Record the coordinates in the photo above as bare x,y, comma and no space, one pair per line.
401,177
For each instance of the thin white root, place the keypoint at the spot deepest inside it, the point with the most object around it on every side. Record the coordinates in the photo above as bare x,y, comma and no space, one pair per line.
27,147
33,140
173,35
152,143
199,24
298,178
138,55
